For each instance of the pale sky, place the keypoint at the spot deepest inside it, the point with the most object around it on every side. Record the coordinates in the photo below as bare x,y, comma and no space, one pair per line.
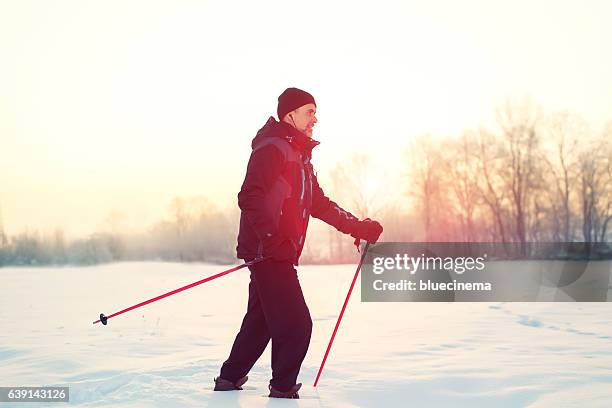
121,105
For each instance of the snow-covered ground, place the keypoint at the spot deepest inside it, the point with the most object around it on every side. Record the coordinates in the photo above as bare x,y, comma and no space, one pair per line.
385,354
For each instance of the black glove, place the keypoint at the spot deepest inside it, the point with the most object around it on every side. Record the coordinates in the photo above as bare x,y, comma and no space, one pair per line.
279,249
368,230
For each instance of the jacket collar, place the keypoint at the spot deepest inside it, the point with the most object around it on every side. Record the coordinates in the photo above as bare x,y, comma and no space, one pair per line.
297,139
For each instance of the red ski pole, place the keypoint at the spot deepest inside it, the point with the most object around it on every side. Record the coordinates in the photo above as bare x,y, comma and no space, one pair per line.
348,295
104,319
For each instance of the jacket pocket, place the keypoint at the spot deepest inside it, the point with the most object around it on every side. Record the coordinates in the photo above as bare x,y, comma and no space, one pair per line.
276,199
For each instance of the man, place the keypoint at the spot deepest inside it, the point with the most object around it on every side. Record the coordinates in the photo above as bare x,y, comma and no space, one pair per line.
279,194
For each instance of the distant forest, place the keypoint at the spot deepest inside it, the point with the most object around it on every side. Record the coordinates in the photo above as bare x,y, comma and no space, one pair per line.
533,178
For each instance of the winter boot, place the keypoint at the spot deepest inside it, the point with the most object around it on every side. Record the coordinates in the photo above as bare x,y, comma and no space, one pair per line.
292,393
221,384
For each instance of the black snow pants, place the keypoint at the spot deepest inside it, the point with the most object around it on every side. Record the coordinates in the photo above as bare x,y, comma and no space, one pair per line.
276,310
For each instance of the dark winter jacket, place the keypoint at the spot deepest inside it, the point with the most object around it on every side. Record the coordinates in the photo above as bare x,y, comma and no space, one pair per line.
280,192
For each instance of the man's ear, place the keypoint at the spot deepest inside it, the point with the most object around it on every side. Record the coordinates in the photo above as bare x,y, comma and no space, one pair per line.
289,118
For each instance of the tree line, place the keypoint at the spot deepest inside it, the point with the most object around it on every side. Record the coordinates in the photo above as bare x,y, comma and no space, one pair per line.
533,178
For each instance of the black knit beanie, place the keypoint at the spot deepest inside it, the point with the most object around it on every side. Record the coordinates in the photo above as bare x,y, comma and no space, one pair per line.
291,99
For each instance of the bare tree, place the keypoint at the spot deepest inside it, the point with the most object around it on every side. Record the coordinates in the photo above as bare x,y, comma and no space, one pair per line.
565,130
463,177
607,190
428,168
180,215
358,185
519,132
490,156
596,188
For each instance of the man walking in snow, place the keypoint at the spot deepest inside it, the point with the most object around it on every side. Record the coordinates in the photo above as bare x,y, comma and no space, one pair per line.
279,194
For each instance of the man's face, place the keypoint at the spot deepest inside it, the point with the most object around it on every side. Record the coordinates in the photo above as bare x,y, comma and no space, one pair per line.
303,118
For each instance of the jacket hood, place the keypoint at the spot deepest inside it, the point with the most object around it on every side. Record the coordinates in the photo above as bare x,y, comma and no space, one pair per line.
274,128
